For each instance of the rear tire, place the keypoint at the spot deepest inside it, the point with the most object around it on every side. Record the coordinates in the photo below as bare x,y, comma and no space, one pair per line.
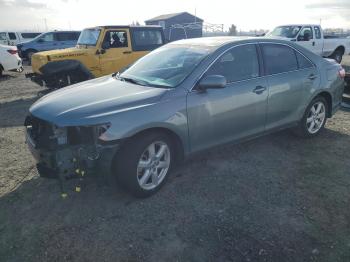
144,163
314,119
337,56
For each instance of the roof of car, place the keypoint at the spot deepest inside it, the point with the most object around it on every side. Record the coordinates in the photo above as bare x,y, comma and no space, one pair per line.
216,42
127,26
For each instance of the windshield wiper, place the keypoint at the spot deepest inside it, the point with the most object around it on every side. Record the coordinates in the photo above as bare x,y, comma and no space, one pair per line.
136,81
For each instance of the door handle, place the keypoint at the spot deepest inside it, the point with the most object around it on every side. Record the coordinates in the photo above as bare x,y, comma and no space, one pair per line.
127,52
312,77
259,90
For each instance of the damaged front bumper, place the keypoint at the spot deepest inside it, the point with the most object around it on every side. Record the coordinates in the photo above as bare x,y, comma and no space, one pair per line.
67,154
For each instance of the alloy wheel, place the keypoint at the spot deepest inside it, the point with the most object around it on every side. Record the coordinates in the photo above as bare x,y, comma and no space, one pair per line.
153,165
316,117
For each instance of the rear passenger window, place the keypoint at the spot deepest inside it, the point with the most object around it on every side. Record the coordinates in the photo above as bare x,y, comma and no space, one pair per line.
144,39
12,36
279,58
303,62
67,36
239,63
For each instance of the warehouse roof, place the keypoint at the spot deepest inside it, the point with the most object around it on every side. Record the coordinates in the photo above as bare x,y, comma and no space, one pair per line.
168,16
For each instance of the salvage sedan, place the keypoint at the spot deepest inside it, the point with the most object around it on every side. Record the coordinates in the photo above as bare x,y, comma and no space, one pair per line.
182,98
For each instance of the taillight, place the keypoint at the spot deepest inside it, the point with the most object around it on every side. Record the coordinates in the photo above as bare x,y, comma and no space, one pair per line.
341,73
12,52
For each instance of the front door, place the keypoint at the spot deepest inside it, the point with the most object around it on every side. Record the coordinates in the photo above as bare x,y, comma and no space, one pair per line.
116,51
306,38
217,116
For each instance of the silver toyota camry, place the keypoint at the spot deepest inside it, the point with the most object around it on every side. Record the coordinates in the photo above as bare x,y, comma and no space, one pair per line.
182,98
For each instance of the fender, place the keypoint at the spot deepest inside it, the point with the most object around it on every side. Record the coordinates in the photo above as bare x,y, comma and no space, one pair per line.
58,67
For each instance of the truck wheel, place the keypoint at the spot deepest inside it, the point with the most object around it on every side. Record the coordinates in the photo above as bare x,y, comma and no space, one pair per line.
314,118
337,56
143,164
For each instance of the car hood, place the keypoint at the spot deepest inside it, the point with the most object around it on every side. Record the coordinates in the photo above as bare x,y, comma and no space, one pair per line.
93,102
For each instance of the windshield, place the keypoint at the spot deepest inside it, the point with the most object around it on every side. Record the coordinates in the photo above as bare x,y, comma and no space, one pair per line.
89,36
167,66
285,31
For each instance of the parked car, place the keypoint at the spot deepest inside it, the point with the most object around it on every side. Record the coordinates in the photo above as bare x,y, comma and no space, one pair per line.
312,38
182,98
9,59
100,51
48,41
15,38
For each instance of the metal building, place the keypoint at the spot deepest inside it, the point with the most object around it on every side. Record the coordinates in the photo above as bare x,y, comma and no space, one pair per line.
178,25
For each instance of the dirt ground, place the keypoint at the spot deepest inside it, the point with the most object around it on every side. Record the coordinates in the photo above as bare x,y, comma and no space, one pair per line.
276,198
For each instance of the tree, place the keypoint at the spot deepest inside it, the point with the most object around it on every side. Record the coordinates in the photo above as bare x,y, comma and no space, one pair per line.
232,30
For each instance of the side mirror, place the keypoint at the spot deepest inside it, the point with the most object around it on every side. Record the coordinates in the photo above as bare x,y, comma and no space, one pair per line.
40,40
105,45
212,82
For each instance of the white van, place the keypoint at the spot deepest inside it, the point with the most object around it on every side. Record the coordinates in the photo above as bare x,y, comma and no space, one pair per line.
15,38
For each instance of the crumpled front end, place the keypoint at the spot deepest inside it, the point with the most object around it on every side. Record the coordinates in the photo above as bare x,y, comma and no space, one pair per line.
68,152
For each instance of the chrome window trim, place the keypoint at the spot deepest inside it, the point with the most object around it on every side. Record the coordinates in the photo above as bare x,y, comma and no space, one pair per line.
261,76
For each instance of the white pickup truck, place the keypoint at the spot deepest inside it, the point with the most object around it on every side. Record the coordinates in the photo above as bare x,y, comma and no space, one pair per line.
312,38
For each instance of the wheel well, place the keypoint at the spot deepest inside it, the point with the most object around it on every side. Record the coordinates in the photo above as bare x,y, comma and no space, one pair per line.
179,147
340,48
328,98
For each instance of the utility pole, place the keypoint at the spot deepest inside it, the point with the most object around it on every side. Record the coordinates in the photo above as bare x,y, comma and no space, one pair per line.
46,29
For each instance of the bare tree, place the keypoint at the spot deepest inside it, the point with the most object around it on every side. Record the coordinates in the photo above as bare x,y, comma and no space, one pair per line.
232,30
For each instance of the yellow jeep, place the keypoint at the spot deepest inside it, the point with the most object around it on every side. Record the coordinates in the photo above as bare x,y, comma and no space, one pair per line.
99,51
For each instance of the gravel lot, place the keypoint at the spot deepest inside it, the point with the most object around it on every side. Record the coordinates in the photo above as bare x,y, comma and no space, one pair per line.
276,198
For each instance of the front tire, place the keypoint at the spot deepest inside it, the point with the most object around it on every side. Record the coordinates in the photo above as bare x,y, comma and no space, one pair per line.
314,119
144,163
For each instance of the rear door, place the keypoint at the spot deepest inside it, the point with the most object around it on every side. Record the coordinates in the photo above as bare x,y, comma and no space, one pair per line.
144,40
116,51
67,39
217,116
291,77
47,41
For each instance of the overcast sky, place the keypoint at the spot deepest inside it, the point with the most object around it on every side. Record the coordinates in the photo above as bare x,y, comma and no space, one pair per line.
245,14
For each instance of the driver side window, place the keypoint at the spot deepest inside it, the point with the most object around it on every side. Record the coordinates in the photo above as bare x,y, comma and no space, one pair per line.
239,63
306,34
116,39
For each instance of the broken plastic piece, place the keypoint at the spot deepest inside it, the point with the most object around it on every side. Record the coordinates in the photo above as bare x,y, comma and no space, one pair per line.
64,195
77,189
